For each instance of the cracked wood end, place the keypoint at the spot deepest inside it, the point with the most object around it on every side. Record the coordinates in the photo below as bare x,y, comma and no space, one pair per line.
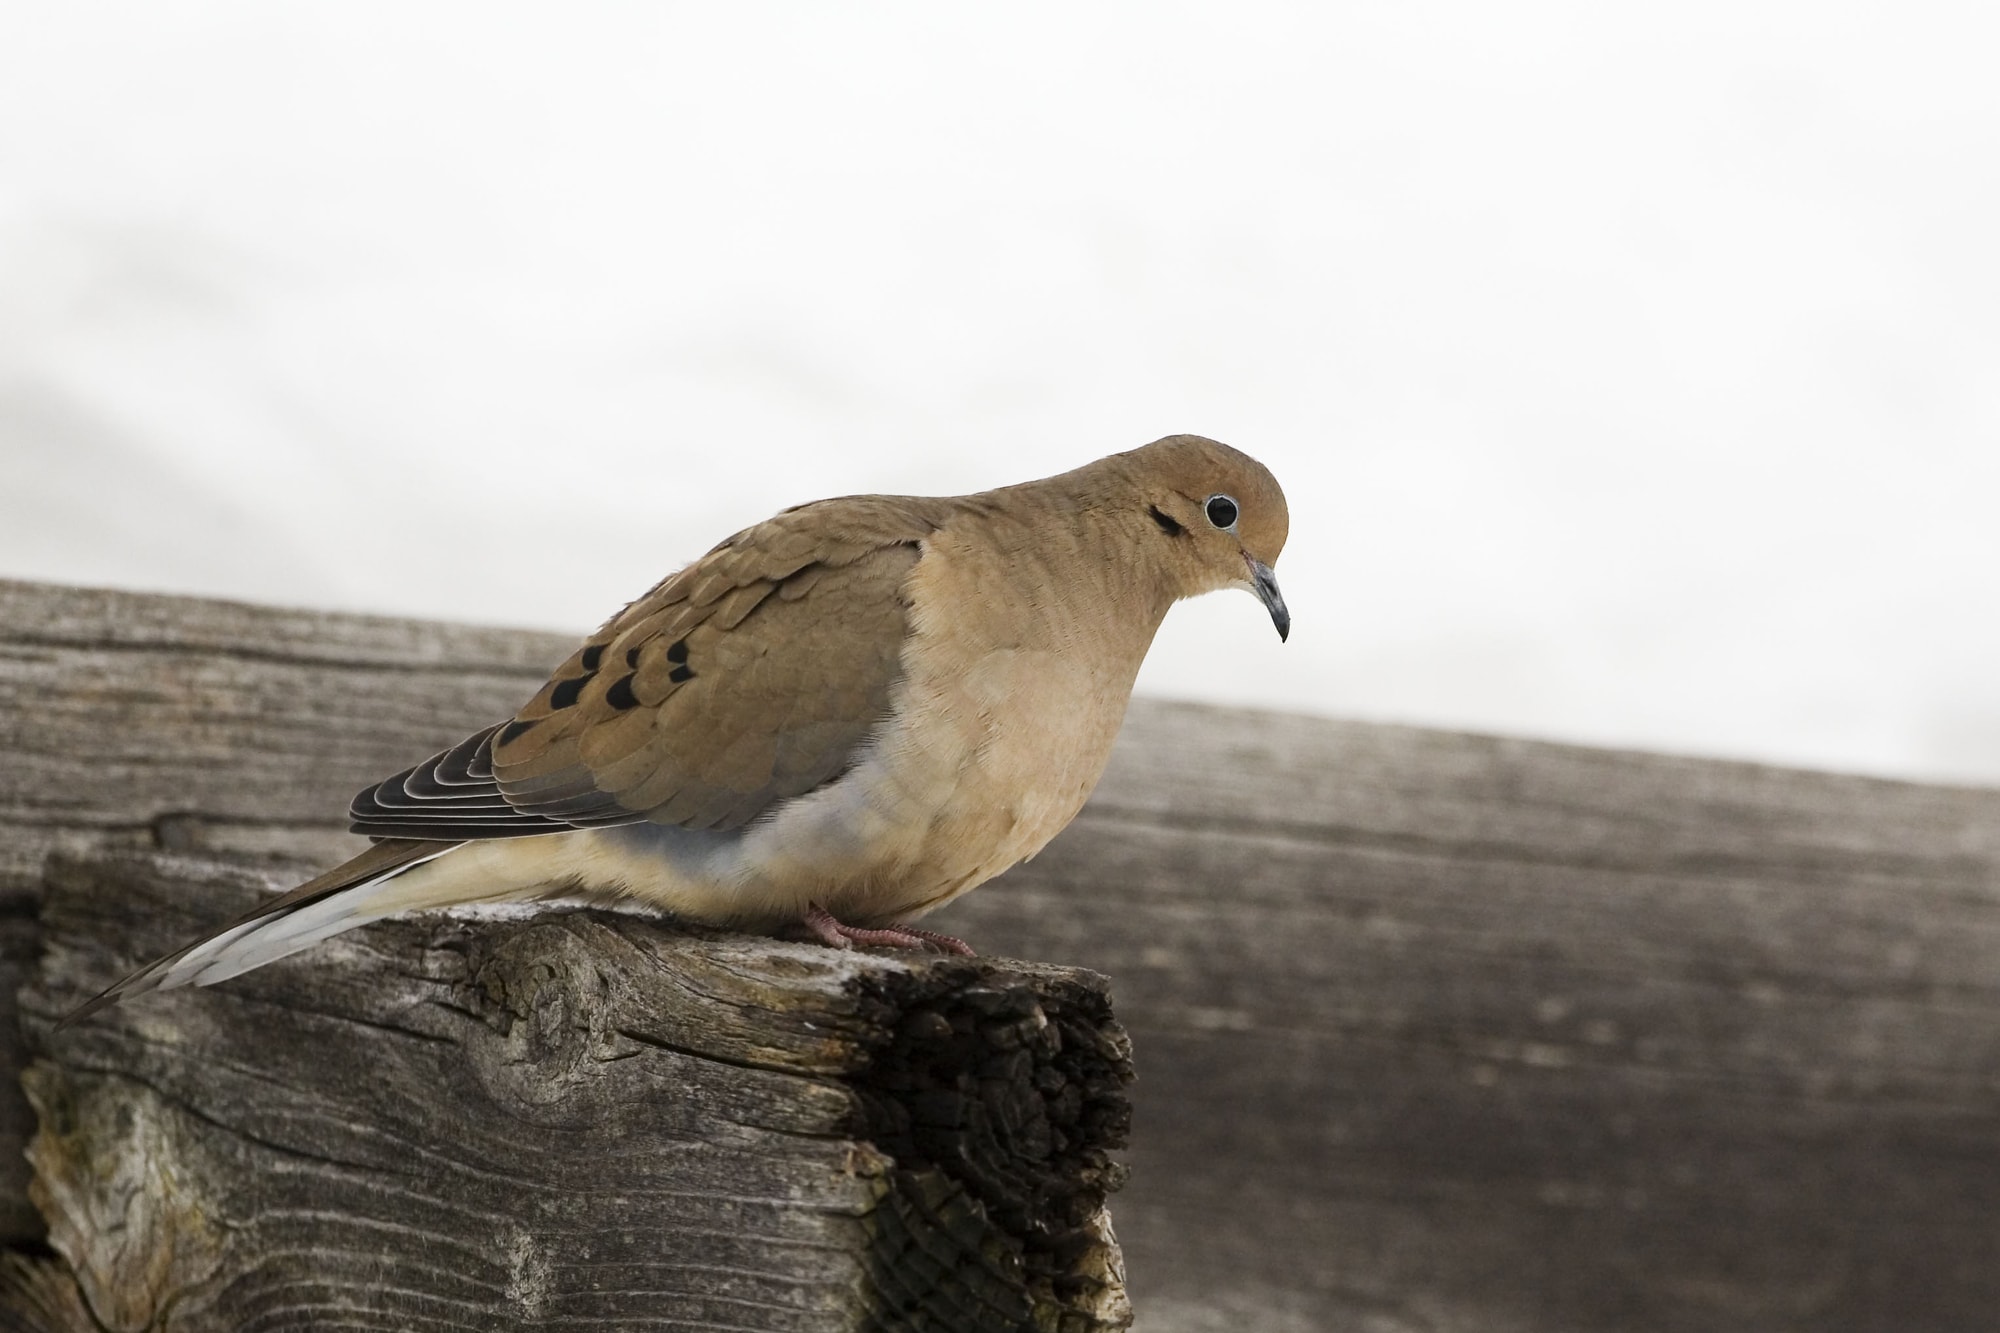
573,1116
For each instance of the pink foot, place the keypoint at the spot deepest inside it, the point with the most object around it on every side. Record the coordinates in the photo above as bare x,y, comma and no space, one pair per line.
833,934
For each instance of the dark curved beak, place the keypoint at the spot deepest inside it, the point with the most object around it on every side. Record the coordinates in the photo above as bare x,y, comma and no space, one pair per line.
1265,584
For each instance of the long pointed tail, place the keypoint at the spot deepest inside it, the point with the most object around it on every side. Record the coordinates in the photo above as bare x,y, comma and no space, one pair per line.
357,891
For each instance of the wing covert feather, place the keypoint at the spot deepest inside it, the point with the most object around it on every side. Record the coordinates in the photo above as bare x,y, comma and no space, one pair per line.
750,676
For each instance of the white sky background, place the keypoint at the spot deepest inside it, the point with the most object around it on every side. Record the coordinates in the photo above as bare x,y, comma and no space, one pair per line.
1633,371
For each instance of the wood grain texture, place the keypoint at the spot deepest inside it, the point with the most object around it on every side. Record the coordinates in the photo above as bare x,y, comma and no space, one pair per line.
571,1119
130,721
143,721
1445,1032
1436,1032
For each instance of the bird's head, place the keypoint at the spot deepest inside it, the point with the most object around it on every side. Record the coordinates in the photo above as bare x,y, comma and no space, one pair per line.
1215,517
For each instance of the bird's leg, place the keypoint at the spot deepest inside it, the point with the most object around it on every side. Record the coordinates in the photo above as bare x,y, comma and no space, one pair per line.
832,933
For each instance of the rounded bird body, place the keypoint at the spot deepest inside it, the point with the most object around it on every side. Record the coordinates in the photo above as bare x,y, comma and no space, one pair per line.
844,717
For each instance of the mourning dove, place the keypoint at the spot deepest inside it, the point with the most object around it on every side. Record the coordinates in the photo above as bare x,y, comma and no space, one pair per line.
843,717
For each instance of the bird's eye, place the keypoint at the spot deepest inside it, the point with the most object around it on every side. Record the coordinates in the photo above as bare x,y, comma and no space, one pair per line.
1221,511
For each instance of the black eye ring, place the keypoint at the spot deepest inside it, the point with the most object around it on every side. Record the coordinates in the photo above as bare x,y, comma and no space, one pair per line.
1221,511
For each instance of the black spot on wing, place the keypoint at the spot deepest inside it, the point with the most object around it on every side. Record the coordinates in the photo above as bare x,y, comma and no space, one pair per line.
513,731
620,695
566,692
678,653
592,656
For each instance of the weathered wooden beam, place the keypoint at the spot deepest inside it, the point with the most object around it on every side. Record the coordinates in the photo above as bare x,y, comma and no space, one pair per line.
147,722
571,1119
1436,1031
138,722
1475,1035
20,944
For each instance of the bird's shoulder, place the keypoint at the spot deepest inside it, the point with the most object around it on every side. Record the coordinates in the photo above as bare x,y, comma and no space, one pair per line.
748,676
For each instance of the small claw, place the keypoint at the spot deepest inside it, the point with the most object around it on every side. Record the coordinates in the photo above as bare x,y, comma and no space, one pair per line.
825,929
834,935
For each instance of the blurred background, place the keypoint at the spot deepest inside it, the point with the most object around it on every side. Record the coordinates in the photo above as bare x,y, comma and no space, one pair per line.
1634,372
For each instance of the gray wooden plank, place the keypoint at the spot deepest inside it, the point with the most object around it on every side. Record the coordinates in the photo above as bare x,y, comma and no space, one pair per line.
58,615
1409,1061
571,1119
135,721
1435,1031
187,711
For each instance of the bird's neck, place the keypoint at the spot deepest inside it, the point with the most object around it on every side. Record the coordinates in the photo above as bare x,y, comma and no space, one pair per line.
1083,566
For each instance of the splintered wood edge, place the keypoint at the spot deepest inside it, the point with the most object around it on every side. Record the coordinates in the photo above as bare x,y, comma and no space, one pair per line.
39,1294
984,1098
999,1097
